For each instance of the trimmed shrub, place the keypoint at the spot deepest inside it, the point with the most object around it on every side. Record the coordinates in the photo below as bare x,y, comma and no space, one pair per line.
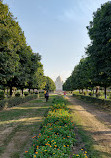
85,93
90,94
94,100
110,96
41,94
2,95
13,101
26,93
17,94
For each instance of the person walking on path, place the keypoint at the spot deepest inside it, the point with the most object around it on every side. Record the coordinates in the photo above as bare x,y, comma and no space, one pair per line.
64,94
47,96
44,93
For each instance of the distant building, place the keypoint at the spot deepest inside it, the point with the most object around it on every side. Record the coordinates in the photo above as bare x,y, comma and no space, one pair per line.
59,84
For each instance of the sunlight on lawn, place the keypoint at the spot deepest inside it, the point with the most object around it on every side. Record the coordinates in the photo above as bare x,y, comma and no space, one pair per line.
26,120
21,108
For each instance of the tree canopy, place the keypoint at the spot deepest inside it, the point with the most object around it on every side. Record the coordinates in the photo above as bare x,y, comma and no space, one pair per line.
19,66
95,69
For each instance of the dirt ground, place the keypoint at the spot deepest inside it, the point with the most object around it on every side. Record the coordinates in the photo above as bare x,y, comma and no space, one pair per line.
96,121
15,134
19,126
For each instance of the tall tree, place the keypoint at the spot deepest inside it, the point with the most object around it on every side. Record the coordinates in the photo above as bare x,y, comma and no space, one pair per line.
12,38
34,65
99,32
50,85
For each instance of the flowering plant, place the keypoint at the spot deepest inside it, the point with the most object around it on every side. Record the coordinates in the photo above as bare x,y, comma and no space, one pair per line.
56,137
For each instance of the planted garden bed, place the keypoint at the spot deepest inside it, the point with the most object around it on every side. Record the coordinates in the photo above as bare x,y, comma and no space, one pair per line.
56,137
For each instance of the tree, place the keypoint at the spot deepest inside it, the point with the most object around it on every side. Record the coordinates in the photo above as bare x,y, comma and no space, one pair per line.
99,32
68,84
50,85
12,38
81,76
39,79
34,66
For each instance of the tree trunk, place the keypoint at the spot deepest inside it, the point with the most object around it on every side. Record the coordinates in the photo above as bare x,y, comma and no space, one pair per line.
79,91
93,91
38,95
105,92
97,91
22,91
29,90
10,91
7,92
33,90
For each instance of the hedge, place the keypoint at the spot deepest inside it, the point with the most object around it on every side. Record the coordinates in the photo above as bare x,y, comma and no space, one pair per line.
13,101
94,100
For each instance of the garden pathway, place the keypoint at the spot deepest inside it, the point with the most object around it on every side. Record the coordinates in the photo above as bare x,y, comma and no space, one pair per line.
96,121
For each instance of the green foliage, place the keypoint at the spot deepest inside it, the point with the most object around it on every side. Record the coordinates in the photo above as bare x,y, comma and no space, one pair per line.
82,154
17,94
95,70
49,84
56,137
2,95
19,66
13,101
81,76
103,103
26,93
68,85
99,50
12,38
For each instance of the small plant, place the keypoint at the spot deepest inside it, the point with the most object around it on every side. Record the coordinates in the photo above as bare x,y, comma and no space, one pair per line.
109,95
26,93
36,92
90,94
85,93
2,96
82,154
17,94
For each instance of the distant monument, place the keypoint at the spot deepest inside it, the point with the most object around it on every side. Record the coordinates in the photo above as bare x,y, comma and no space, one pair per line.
59,84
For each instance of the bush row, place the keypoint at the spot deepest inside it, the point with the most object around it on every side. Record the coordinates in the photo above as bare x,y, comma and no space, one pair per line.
94,100
56,137
4,95
13,101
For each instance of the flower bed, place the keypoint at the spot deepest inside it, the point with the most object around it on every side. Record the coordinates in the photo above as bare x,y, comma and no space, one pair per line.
57,137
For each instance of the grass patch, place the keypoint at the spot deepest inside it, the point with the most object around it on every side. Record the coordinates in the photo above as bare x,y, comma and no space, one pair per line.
15,155
36,101
18,124
88,142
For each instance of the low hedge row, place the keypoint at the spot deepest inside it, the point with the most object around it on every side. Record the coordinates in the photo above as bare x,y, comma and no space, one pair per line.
13,101
56,137
94,100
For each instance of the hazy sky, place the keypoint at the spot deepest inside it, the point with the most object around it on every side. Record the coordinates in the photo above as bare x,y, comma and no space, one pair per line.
56,29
